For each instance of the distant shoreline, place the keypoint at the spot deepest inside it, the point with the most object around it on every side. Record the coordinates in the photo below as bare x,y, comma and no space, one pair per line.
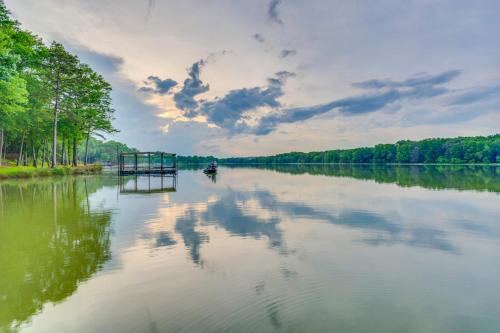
222,163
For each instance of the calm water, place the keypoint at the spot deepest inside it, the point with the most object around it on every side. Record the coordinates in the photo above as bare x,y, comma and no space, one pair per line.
295,249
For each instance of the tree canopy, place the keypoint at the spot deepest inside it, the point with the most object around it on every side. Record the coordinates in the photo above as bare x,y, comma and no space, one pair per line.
461,150
49,101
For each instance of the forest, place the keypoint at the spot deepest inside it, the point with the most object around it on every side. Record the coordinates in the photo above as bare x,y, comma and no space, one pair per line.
50,102
103,152
461,150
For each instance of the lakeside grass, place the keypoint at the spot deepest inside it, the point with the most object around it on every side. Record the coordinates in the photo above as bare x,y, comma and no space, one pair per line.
16,172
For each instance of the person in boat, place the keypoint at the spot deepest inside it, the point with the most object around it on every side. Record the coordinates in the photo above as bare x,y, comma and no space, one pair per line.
212,166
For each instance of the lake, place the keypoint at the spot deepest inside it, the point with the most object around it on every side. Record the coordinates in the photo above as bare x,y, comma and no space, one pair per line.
284,249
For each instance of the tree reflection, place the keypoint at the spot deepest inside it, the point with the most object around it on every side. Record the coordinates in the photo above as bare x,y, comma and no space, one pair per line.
50,241
461,177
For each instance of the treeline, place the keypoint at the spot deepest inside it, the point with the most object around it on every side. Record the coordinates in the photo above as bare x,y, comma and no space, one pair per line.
461,177
103,152
50,102
196,160
459,150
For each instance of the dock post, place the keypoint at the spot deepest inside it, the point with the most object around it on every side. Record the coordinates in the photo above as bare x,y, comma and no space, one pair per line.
161,165
120,164
135,163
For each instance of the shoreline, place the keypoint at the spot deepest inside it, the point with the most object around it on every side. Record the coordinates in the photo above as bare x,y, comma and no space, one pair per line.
374,164
26,172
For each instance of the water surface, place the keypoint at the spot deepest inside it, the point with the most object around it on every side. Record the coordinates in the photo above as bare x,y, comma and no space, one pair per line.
288,249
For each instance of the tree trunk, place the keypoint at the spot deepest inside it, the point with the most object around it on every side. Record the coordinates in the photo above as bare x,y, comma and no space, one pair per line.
54,131
43,154
47,147
34,156
54,138
68,153
63,152
20,157
1,145
86,149
4,153
75,157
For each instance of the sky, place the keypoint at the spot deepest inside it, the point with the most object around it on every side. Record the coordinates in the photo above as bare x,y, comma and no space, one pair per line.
259,77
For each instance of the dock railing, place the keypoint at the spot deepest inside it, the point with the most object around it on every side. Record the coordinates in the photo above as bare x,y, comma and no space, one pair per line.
147,163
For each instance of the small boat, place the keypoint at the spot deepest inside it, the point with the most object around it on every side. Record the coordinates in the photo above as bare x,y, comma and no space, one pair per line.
211,168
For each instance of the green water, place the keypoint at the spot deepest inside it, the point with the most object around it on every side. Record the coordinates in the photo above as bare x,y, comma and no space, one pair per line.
286,249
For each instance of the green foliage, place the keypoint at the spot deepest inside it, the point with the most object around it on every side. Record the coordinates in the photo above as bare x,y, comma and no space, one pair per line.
47,96
480,149
195,160
32,172
103,152
58,250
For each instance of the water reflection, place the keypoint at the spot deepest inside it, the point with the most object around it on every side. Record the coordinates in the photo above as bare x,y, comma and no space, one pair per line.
289,249
51,240
461,177
193,239
258,214
147,184
212,177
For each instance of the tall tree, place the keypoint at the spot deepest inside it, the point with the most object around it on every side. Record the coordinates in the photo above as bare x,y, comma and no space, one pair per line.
92,107
60,75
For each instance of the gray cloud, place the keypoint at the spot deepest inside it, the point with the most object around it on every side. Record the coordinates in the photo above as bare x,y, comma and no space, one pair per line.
151,7
386,92
158,86
421,80
227,111
258,37
272,11
474,95
231,111
104,64
285,53
184,99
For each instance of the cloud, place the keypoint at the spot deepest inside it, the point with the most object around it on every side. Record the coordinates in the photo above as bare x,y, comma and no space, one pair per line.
474,95
151,7
258,37
285,53
272,11
158,86
228,111
386,92
132,113
193,86
421,80
104,64
233,111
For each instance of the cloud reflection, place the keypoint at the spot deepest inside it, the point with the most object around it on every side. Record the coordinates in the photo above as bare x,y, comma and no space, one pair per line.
258,215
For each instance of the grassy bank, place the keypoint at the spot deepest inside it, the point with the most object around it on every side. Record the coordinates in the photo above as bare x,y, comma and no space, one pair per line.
31,172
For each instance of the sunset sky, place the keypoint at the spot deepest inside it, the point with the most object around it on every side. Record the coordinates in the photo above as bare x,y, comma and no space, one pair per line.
258,77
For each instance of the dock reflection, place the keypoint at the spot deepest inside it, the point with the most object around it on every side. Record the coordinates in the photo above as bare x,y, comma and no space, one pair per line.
147,184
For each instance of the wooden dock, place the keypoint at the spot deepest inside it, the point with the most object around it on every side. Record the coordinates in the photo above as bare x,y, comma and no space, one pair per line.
147,163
